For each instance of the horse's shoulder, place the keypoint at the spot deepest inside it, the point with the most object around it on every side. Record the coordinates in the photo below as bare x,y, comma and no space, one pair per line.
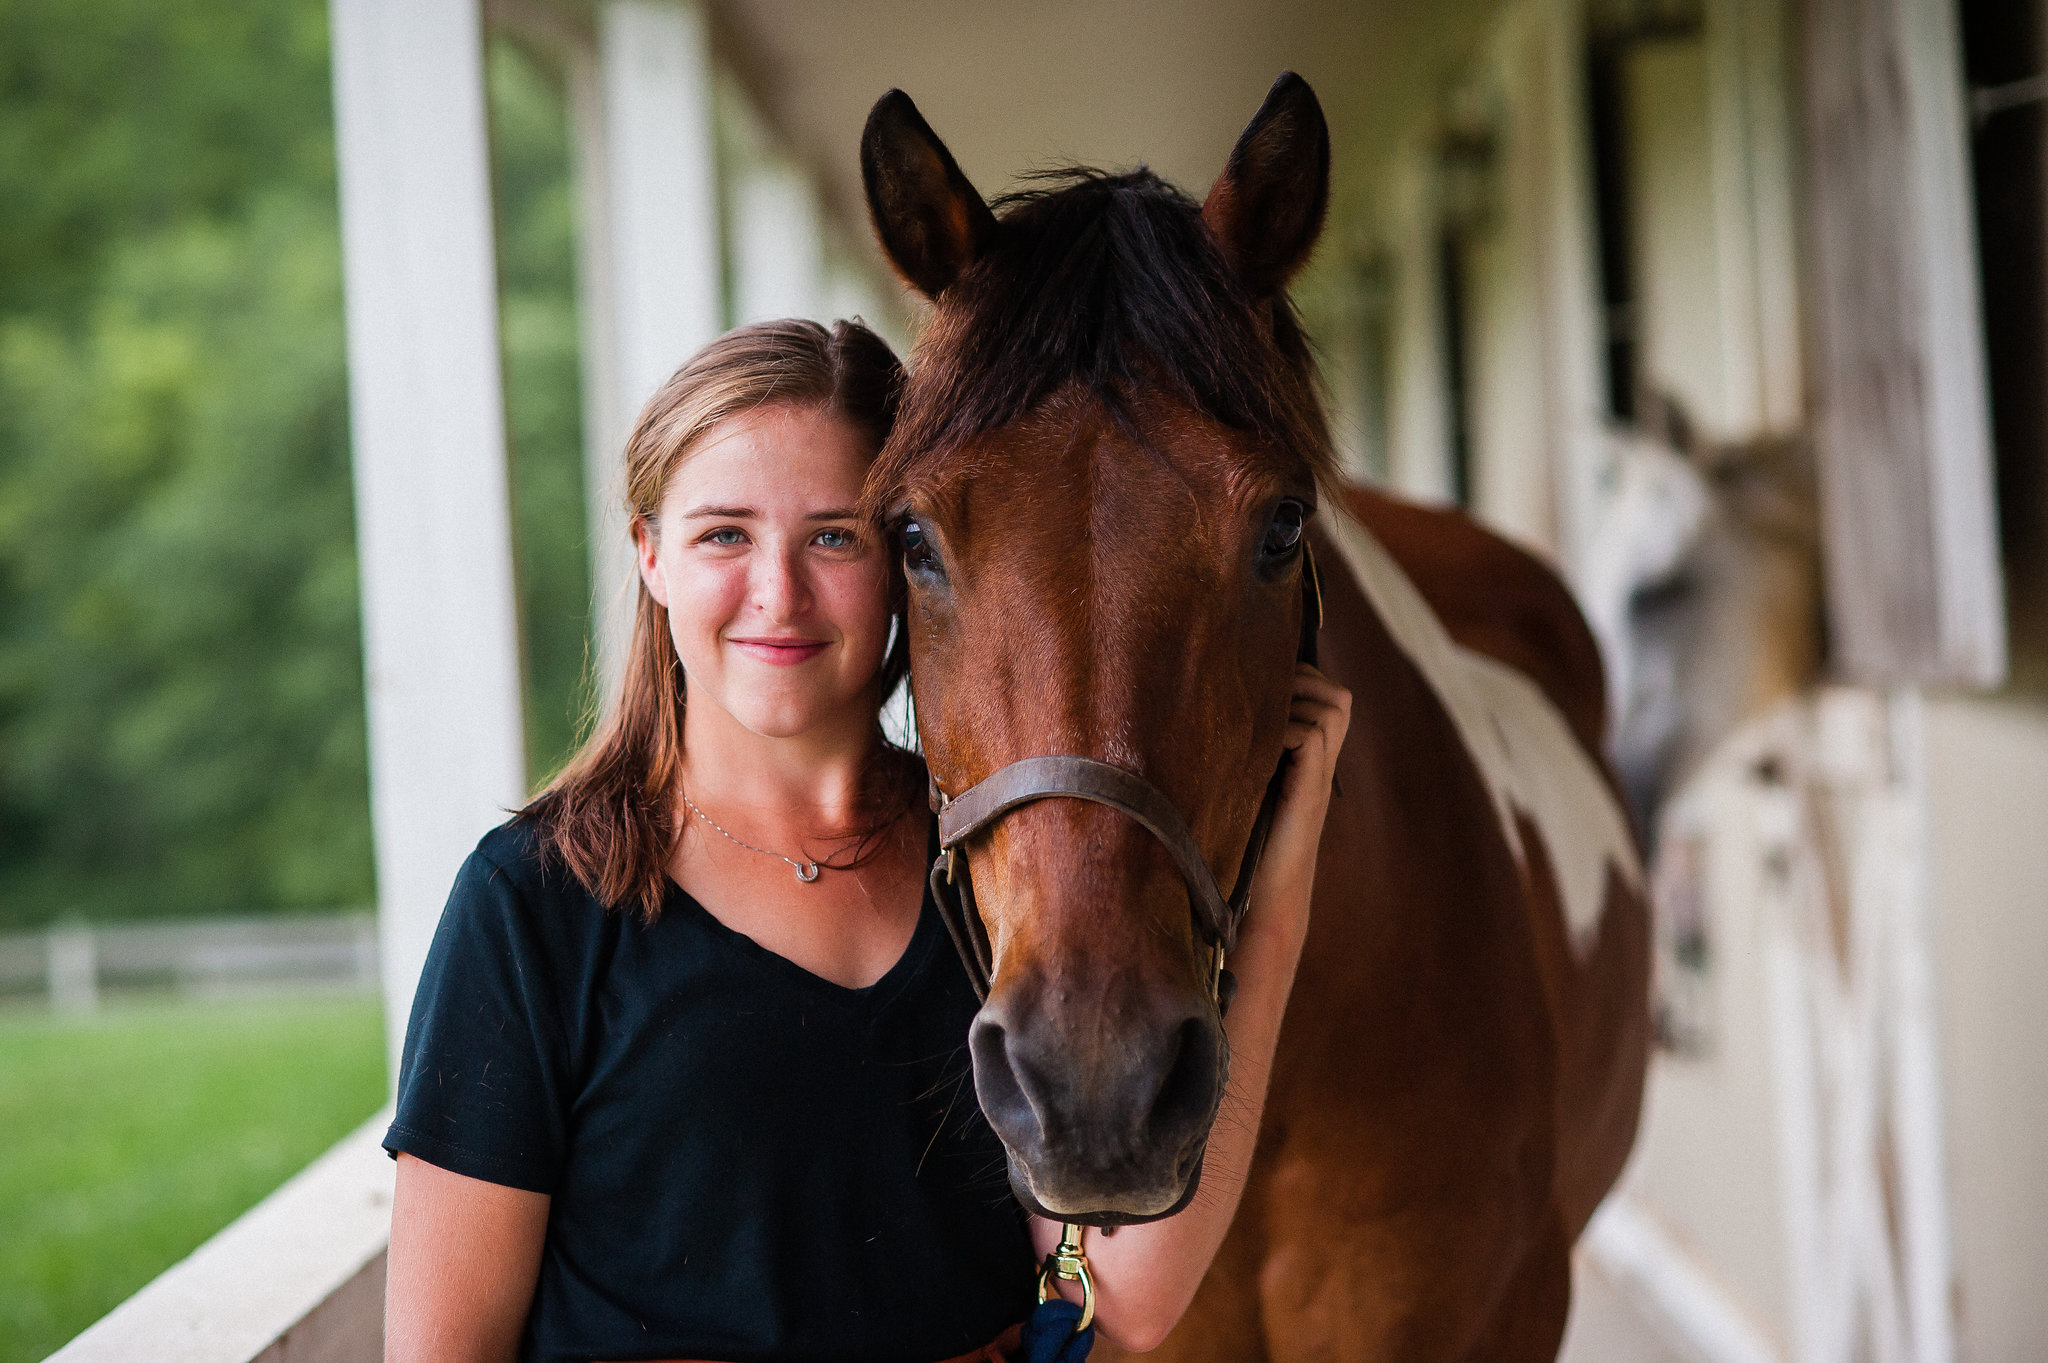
1498,599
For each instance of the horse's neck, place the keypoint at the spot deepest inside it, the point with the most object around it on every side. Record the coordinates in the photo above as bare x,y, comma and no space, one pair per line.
1519,742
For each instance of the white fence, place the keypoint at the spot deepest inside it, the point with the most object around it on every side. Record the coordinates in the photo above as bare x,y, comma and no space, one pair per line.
72,965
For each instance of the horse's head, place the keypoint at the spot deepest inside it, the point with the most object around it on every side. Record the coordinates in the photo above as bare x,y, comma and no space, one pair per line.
1704,585
1107,448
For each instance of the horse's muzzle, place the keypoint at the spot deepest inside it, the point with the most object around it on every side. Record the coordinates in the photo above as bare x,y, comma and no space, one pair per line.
1104,1125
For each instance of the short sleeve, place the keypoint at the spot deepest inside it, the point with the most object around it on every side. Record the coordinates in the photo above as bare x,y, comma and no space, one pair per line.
484,1082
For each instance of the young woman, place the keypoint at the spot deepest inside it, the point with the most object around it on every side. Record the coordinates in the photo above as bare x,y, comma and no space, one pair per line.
686,1075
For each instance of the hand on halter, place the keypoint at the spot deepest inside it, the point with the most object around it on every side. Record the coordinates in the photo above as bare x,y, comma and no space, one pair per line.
1316,724
1146,1275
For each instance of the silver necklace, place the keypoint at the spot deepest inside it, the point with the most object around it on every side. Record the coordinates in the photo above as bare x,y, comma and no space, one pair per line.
806,871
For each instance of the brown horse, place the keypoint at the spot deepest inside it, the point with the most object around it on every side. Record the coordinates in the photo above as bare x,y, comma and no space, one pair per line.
1110,431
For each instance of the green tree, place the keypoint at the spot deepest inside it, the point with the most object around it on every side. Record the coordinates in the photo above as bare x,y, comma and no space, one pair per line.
180,680
181,707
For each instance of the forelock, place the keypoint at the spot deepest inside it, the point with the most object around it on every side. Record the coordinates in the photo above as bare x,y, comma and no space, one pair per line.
1112,284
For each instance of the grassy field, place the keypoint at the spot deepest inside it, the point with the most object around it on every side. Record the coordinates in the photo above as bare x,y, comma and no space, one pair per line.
129,1137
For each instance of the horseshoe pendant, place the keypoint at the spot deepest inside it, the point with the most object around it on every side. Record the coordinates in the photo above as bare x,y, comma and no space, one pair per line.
807,872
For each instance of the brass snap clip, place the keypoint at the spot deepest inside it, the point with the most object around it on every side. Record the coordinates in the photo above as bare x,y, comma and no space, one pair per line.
1069,1264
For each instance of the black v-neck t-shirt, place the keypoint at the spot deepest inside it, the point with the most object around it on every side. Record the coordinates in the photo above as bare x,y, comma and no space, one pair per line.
746,1161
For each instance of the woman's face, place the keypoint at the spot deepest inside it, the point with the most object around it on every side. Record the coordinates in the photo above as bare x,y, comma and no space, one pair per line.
777,592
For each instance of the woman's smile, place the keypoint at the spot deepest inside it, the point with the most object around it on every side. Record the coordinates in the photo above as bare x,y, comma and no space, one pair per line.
778,651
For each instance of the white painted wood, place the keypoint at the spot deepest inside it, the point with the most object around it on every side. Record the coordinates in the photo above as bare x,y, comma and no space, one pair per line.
1753,223
1574,389
1823,798
1707,1157
1902,425
778,245
1988,860
1609,1323
849,292
348,1327
73,969
1972,591
1821,1084
1507,394
1419,419
298,1277
205,956
433,528
606,417
1681,1297
1899,866
653,291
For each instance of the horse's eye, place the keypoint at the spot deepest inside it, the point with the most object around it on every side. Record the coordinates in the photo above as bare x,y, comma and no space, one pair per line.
1283,535
917,547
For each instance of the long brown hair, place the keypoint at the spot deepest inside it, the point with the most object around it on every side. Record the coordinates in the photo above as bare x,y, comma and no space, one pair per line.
611,814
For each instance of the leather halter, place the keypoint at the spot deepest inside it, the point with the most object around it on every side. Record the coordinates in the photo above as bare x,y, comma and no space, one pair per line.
1062,777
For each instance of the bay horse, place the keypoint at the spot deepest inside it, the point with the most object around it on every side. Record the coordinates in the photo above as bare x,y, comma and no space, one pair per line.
1108,438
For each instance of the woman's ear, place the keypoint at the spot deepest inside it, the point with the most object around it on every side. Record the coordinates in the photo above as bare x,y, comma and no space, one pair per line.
647,554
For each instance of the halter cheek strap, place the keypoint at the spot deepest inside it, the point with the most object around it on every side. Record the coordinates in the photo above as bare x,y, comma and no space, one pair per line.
1083,778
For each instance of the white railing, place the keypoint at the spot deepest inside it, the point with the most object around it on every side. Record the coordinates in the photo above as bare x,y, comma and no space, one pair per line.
73,964
299,1278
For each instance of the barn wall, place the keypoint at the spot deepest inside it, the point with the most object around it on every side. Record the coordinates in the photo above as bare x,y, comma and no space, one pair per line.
1713,195
1988,829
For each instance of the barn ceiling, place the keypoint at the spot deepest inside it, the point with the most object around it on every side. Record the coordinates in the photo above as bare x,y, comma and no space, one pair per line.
1017,86
1031,84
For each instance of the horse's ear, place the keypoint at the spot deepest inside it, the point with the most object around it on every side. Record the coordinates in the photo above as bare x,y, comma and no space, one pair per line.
1267,207
931,222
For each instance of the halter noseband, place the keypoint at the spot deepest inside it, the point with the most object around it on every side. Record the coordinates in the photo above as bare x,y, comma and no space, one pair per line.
1083,778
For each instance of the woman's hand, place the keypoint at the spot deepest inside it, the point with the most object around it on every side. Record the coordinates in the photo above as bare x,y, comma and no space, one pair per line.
1146,1275
1318,718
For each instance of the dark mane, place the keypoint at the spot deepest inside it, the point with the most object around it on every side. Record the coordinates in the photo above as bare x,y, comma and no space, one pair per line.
1112,283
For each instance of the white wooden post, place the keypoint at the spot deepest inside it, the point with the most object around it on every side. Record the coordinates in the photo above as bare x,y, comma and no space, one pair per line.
650,274
1749,128
73,968
1902,424
606,418
849,292
1419,416
433,525
777,245
1567,254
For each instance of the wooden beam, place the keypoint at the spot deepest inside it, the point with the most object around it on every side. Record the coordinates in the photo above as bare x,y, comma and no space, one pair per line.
433,524
1901,413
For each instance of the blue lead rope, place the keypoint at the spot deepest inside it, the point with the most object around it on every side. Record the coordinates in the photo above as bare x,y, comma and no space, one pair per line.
1050,1336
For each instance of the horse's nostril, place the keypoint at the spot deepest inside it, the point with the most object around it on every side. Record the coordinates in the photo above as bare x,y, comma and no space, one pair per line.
1002,1097
1188,1093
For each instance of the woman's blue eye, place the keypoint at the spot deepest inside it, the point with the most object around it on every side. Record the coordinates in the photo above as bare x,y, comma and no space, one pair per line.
727,536
835,539
1284,533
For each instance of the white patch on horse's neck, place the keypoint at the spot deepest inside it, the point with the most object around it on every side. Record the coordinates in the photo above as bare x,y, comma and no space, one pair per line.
1524,750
